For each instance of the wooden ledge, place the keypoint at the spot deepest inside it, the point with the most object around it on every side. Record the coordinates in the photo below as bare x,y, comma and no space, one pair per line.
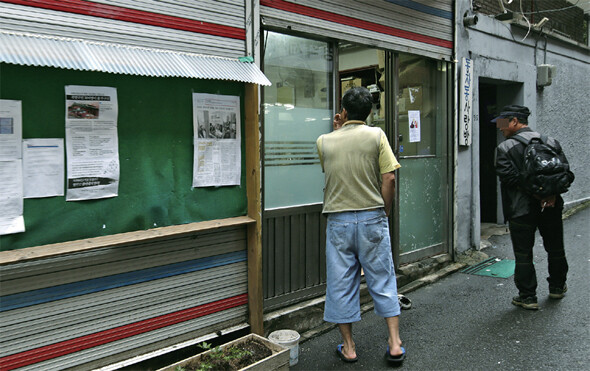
62,248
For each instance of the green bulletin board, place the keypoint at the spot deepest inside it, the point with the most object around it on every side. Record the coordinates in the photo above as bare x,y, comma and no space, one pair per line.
155,129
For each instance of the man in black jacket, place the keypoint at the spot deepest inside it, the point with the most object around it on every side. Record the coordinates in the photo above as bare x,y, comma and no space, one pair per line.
526,212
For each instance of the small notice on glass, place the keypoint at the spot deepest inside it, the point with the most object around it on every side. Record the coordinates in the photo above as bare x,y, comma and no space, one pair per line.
415,125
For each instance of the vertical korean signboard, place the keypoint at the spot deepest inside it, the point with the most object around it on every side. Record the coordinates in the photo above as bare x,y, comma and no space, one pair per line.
466,100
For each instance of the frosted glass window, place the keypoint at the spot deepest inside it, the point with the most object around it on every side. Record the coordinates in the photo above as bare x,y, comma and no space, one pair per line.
297,109
419,105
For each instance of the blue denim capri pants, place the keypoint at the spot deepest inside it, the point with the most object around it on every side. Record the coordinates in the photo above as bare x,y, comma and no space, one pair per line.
356,239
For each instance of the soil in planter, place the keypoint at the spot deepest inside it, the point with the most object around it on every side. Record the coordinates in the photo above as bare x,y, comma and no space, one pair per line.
232,358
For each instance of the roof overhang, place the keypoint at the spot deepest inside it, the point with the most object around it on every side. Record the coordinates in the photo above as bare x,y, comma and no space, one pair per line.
84,55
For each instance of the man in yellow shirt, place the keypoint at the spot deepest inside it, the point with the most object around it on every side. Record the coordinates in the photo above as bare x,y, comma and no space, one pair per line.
359,188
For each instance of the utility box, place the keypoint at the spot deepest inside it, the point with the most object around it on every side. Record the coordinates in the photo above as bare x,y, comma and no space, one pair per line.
545,73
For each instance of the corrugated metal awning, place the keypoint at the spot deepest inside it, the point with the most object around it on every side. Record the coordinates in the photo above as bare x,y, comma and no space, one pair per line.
37,50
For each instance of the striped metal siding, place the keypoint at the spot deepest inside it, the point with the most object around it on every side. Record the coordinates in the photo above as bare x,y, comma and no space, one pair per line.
206,27
414,26
294,259
102,306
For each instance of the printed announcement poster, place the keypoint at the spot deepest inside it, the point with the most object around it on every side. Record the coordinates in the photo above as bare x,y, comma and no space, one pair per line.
43,167
11,197
217,155
91,142
11,175
11,129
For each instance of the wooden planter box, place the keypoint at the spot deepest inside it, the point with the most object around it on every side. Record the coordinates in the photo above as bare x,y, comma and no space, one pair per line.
279,360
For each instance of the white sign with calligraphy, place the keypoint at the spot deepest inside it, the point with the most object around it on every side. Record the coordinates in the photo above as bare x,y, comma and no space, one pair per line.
466,100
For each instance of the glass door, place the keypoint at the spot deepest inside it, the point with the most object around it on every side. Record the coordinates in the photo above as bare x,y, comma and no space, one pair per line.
422,115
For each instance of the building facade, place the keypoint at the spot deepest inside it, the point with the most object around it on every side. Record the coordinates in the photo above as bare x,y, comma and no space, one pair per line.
519,58
313,52
161,288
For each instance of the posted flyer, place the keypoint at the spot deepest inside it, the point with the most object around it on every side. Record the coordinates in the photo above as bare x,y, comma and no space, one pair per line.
11,129
92,148
43,167
11,197
414,125
217,138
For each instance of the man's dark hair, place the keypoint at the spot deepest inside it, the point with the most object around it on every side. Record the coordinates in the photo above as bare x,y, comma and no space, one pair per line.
358,102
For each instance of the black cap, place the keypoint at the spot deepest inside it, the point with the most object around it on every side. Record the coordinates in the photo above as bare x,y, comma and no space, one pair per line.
520,112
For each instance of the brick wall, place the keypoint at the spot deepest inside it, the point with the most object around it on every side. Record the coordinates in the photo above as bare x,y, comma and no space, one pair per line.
569,22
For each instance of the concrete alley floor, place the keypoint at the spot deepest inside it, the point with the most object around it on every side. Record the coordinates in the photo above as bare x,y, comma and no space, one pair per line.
466,322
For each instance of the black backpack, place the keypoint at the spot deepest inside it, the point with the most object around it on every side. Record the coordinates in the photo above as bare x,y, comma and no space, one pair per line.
544,173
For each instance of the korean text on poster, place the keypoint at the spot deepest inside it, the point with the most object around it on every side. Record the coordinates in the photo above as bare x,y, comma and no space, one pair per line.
91,142
217,140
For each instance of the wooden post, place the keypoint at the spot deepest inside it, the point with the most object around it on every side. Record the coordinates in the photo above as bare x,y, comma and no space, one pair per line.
252,137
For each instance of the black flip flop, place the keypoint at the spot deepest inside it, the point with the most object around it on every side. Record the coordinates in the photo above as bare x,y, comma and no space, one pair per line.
395,360
404,302
343,357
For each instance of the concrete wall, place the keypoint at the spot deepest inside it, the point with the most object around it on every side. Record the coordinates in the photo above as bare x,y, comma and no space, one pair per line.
501,56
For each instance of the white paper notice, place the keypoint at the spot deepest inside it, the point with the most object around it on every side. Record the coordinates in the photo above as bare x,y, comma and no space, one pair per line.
414,123
11,129
91,142
11,197
43,167
217,155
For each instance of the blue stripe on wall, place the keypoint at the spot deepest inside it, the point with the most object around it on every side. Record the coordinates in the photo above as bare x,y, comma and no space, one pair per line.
423,8
28,298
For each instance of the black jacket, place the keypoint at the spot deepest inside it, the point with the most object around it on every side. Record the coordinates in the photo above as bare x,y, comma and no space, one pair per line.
509,164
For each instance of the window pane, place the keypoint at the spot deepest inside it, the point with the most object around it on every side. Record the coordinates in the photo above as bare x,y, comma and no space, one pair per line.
419,105
422,180
362,66
297,110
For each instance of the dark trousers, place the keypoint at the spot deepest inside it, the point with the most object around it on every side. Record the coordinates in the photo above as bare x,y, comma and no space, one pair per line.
522,233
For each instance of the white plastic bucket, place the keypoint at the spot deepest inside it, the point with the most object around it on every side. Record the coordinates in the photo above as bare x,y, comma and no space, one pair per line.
288,339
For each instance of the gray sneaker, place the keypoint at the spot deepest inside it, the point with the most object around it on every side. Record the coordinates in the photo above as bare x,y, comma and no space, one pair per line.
557,292
527,303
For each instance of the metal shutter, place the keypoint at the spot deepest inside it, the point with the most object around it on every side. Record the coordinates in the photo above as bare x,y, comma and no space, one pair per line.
102,306
204,27
418,27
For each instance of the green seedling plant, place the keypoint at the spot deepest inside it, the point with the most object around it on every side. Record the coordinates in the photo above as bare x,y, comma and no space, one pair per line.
218,353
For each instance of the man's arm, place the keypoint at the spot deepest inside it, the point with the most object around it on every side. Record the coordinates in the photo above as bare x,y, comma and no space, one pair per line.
388,190
507,172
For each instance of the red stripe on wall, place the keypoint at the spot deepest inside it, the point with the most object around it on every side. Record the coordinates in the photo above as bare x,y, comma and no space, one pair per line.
349,21
32,356
134,16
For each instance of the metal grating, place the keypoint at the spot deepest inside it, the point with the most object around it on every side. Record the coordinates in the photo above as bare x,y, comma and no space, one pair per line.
76,54
492,267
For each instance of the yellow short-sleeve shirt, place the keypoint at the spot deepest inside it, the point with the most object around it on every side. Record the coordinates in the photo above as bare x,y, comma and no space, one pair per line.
353,159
